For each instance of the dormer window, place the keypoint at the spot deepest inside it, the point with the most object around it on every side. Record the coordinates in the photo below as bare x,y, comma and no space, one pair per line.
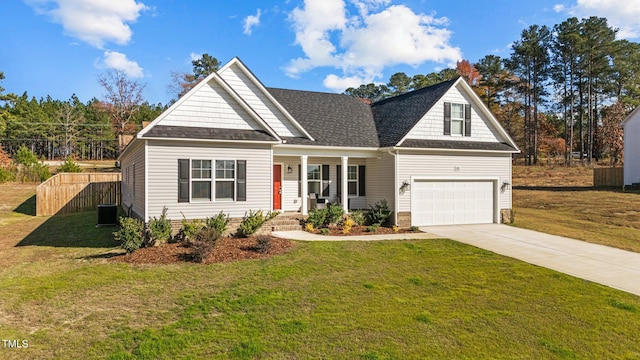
457,119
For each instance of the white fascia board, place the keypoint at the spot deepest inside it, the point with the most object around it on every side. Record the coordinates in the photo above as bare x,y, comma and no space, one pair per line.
487,112
456,150
330,151
214,140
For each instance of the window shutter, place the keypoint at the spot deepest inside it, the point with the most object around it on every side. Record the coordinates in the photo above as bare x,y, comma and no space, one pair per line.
339,181
325,180
467,120
447,118
299,180
183,180
361,180
241,181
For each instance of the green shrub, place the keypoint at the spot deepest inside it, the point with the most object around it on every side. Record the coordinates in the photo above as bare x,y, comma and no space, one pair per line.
414,228
159,229
189,229
317,217
358,217
379,213
7,174
69,166
200,250
207,234
218,222
334,213
24,156
254,220
324,231
263,243
330,214
131,233
37,172
372,228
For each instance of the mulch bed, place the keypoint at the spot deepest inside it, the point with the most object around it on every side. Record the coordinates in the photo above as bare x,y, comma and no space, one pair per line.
226,250
362,230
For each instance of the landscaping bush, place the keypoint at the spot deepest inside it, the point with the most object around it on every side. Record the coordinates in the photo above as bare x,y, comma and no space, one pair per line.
69,166
330,214
159,229
324,231
372,228
131,233
358,217
202,243
334,213
317,217
379,213
347,224
189,229
263,243
254,220
218,222
414,228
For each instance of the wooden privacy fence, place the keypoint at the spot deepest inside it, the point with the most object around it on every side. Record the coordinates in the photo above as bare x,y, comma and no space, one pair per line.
608,177
67,193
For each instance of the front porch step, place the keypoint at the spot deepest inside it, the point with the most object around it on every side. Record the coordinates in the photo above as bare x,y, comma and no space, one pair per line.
283,222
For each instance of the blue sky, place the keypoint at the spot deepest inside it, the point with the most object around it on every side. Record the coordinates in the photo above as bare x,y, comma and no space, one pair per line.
58,47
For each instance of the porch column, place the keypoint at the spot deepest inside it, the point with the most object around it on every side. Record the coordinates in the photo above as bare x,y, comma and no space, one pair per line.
304,185
345,184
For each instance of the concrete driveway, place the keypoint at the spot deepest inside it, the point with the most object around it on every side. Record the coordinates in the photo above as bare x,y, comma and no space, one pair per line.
608,266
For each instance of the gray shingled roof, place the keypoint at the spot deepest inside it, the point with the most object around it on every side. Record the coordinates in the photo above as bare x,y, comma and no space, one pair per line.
331,119
184,132
456,144
396,116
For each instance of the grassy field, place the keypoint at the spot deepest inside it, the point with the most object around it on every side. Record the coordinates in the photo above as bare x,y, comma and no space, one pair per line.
379,300
562,201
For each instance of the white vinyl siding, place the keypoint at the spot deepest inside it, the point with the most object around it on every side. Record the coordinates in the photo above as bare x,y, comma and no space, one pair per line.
259,102
414,164
290,198
133,166
431,126
163,178
211,107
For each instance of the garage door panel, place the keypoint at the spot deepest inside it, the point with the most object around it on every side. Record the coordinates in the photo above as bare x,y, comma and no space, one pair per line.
452,202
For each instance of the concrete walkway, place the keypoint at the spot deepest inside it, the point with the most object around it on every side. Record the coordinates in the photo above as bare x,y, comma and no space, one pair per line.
608,266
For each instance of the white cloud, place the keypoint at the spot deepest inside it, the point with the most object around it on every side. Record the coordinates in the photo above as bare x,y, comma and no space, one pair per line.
250,22
118,61
624,15
95,22
363,45
339,84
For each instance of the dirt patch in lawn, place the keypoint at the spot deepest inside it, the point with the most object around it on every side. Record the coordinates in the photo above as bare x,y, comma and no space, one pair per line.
225,250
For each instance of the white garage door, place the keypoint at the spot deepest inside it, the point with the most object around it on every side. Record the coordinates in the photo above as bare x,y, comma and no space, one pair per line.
451,202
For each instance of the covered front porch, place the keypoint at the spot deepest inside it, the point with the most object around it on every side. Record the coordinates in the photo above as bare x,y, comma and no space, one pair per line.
303,182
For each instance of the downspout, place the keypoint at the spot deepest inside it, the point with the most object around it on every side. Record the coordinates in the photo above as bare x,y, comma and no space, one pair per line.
395,186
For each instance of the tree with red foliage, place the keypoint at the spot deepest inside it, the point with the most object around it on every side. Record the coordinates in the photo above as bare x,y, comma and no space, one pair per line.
468,72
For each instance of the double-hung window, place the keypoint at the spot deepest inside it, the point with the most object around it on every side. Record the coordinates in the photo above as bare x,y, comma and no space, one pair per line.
225,179
201,179
352,180
314,179
208,179
457,119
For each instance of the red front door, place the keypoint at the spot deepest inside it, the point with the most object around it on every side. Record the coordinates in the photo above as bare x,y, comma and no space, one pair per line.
277,187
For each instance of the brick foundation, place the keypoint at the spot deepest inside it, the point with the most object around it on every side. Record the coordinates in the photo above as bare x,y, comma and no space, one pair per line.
506,216
404,219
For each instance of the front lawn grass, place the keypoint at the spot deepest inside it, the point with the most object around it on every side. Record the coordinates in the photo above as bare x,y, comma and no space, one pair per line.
353,300
367,300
